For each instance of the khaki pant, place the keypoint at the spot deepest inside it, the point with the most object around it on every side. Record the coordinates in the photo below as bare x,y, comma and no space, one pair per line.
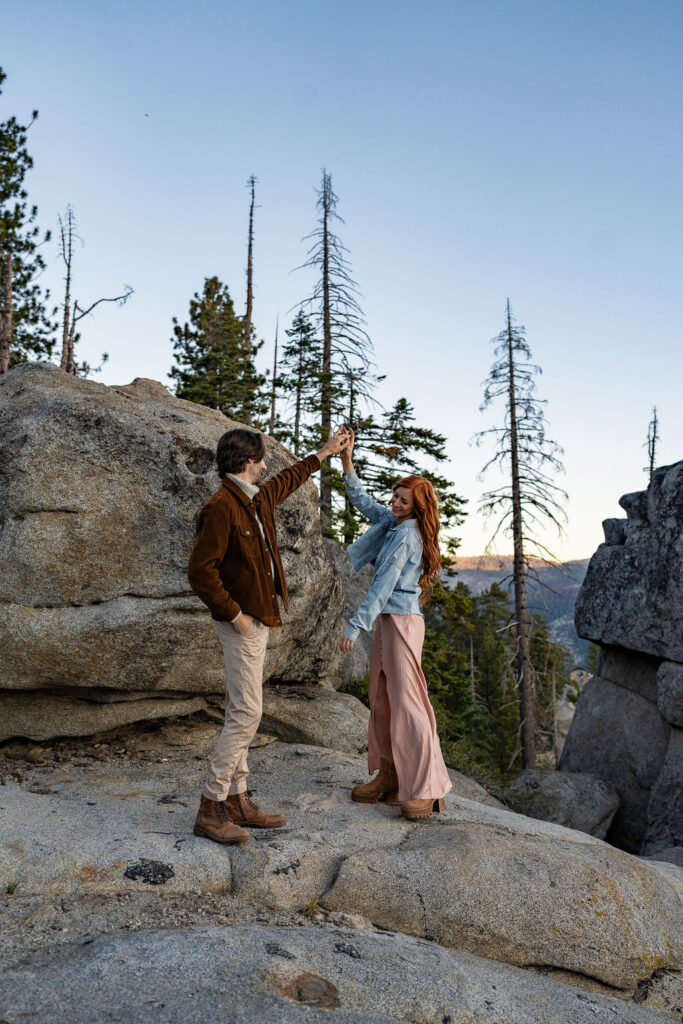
244,657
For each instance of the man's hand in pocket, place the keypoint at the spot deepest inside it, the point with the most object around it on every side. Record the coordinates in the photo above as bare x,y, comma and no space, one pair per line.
243,623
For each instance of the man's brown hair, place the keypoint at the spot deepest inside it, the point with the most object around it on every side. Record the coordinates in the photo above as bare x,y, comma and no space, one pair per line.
236,446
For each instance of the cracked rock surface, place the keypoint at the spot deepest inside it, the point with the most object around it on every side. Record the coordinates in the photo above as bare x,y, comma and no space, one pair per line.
475,881
94,592
280,974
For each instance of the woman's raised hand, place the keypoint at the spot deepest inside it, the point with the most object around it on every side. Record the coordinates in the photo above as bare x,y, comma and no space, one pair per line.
347,452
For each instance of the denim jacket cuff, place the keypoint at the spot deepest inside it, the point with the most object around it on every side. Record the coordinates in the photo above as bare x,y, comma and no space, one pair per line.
351,633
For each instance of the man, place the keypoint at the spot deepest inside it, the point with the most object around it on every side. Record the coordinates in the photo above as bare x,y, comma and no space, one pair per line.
235,569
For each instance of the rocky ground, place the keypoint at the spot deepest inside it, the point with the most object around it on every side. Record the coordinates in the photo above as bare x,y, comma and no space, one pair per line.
113,911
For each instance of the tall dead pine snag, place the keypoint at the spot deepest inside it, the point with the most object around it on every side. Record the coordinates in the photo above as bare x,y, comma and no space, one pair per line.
337,316
651,443
529,500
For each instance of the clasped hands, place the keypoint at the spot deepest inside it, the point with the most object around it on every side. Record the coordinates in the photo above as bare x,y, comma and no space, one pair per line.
337,442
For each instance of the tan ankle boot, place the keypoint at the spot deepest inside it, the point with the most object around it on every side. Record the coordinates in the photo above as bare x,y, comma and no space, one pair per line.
384,786
413,809
214,822
244,811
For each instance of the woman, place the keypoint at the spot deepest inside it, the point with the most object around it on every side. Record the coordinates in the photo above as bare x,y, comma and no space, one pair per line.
402,739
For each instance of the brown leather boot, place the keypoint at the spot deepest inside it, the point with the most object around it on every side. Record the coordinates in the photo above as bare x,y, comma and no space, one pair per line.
244,811
384,786
413,809
215,822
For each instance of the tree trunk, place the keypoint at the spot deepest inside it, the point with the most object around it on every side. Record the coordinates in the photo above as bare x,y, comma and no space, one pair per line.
297,411
348,535
250,284
527,703
6,322
70,364
272,393
326,391
67,326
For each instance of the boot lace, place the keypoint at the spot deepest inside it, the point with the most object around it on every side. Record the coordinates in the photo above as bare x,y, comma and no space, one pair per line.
248,800
222,812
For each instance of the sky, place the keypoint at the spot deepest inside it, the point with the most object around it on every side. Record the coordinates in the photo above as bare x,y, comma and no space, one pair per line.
529,149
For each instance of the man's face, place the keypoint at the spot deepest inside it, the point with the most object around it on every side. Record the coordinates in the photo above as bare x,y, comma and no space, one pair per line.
255,470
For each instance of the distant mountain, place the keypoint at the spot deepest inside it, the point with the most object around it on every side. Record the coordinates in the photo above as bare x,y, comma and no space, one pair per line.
552,593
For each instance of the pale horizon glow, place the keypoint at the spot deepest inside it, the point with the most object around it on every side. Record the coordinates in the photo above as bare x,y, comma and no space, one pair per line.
479,151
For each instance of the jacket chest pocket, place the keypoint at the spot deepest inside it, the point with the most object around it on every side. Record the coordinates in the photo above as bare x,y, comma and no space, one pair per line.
248,537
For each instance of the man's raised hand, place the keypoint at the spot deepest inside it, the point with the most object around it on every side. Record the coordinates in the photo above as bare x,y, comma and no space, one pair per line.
336,442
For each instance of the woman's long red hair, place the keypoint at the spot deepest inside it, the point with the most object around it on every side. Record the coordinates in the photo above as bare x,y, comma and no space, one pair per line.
426,513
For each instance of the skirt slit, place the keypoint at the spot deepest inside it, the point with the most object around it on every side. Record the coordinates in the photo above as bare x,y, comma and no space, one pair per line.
402,726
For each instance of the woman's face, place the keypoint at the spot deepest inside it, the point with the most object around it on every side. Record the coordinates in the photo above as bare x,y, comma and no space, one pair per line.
402,503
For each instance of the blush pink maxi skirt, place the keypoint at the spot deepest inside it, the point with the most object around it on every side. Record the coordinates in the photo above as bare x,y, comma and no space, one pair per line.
402,726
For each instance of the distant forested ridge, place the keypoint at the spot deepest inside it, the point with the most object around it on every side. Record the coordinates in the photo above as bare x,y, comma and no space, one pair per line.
553,589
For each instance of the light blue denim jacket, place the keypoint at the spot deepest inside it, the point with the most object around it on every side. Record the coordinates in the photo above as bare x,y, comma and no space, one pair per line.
396,549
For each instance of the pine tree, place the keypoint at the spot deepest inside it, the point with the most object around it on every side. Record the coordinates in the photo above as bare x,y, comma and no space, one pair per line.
27,323
212,365
300,384
530,499
396,446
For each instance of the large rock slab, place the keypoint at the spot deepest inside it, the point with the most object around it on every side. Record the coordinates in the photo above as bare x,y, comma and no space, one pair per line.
665,809
311,714
670,692
41,716
578,801
94,593
474,878
620,737
632,595
283,975
584,908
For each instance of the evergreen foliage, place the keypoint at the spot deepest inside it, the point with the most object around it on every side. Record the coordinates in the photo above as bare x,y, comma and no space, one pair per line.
299,381
395,446
469,663
27,325
213,366
529,498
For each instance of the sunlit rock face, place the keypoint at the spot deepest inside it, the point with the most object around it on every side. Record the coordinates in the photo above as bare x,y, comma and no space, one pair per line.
99,490
628,723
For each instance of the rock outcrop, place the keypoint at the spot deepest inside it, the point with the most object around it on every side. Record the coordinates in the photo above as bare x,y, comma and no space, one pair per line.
577,801
628,726
355,586
288,975
99,489
476,879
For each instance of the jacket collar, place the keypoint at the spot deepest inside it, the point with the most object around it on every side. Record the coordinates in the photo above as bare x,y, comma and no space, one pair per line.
234,488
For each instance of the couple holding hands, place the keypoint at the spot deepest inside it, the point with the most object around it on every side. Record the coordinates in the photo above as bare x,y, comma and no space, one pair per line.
236,570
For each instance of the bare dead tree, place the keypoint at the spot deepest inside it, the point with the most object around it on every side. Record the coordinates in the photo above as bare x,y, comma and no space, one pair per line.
67,237
248,328
335,310
73,312
653,439
529,500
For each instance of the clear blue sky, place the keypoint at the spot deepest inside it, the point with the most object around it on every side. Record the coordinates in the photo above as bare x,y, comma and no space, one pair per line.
479,150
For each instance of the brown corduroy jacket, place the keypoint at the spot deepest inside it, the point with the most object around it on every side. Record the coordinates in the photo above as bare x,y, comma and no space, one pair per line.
230,566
